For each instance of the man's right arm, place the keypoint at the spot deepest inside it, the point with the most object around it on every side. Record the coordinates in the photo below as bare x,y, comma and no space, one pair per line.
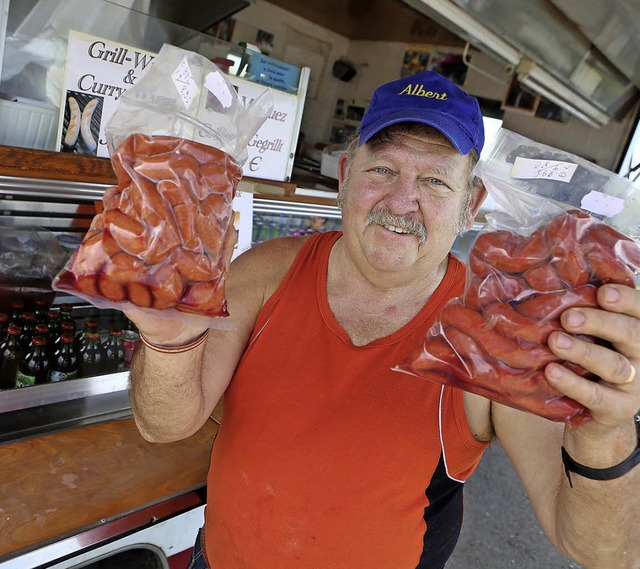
173,394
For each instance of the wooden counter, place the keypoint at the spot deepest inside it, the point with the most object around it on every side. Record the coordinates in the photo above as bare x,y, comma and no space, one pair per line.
62,483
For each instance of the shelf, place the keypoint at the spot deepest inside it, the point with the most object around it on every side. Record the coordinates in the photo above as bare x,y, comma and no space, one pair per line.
43,173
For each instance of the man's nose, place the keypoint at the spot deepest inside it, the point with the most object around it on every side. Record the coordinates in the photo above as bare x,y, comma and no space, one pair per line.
403,195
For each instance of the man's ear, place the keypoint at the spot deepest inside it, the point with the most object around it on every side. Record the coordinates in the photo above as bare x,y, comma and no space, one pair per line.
342,172
479,195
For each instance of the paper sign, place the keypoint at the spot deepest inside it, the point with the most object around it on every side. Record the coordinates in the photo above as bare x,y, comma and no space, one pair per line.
97,73
527,168
184,83
602,204
217,86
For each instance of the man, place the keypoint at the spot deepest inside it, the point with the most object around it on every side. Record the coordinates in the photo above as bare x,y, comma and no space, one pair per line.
328,459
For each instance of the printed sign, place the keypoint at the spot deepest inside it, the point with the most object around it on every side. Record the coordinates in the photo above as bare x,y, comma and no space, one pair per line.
97,73
270,150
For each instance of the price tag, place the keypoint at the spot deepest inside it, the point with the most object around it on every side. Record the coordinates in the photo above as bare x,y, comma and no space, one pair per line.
184,83
527,168
602,204
218,87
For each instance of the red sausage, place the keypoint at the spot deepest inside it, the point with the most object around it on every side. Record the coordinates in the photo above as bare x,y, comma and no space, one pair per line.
205,298
514,325
612,257
127,232
503,288
544,278
140,295
493,342
549,306
194,267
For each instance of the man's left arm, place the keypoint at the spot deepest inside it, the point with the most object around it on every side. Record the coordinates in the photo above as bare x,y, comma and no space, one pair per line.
595,522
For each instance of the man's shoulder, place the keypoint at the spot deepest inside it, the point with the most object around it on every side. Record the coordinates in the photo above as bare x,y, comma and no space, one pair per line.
264,266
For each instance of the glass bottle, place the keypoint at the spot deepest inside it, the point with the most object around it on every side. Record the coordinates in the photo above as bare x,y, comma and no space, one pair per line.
4,324
64,363
42,329
34,368
53,322
41,308
28,325
66,315
17,308
114,351
91,356
90,325
65,328
11,354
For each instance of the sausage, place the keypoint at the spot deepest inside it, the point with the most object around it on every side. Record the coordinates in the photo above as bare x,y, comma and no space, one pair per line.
185,215
143,145
544,278
111,289
205,298
123,268
73,128
194,267
514,325
89,257
173,192
155,168
166,286
210,233
88,285
507,252
216,204
111,197
564,233
492,342
517,388
139,294
128,233
85,125
549,306
503,288
611,256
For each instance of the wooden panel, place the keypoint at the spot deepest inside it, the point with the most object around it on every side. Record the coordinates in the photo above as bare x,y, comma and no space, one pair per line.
47,165
59,483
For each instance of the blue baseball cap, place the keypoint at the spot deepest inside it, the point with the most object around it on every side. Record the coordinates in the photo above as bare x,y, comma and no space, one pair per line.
428,98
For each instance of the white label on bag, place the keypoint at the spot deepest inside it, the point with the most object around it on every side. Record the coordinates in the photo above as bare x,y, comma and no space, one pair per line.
545,169
602,204
218,87
184,83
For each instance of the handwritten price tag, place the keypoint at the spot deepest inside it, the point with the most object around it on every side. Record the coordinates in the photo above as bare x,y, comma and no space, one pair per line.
527,168
184,83
217,86
597,202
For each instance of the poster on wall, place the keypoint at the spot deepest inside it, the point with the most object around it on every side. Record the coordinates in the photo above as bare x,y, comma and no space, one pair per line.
448,63
97,73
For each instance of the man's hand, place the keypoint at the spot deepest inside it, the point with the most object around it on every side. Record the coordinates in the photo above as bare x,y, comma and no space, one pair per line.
175,329
615,399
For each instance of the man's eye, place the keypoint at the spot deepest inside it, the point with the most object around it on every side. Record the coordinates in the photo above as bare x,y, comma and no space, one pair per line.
381,170
435,181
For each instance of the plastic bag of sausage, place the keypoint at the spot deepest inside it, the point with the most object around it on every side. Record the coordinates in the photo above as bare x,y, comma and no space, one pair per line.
162,241
562,227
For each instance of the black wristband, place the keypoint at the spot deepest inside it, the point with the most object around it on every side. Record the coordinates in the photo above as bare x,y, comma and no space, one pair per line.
610,473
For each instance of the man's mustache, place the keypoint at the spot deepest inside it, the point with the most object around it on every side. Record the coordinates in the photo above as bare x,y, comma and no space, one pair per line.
403,222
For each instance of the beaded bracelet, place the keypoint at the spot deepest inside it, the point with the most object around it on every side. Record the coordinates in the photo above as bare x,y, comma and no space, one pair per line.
175,349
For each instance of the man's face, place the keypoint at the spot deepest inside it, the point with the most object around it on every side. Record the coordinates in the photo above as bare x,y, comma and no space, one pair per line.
405,201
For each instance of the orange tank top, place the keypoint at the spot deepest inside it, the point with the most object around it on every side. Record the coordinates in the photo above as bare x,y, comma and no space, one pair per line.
326,458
